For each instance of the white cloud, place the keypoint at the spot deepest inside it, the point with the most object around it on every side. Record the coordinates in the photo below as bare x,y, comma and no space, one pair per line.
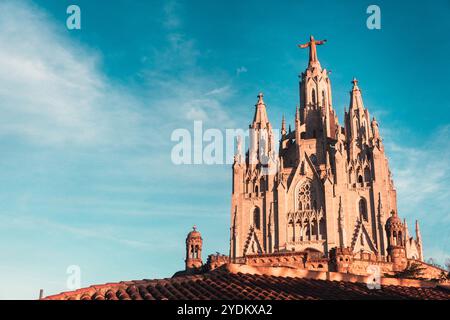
53,92
422,176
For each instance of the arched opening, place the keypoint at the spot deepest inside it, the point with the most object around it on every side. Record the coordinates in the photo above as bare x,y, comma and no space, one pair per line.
308,231
314,228
323,97
262,185
298,230
400,240
313,96
367,175
256,189
291,233
257,218
305,196
196,249
322,230
360,180
305,230
350,176
363,209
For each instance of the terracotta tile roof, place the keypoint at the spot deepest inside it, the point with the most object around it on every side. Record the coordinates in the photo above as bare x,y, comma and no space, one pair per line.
222,284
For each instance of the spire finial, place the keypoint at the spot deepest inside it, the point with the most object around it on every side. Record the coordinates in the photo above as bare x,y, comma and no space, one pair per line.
355,82
260,98
194,227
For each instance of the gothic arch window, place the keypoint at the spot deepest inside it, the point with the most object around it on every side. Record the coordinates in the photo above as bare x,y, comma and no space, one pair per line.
298,229
323,97
322,228
256,189
363,209
257,218
350,176
360,180
314,227
305,229
305,196
400,242
313,96
196,252
291,233
367,175
363,129
308,231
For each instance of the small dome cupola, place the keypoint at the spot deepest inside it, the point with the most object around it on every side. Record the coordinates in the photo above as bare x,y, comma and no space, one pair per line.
395,230
194,244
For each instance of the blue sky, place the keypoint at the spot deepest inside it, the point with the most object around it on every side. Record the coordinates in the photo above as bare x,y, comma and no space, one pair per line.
86,118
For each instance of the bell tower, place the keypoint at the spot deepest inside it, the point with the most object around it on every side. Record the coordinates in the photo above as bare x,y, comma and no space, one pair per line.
395,230
194,243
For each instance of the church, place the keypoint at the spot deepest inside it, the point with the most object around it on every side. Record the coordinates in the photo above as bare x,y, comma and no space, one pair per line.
313,216
324,189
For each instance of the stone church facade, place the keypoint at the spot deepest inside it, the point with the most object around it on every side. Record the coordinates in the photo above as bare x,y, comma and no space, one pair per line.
321,189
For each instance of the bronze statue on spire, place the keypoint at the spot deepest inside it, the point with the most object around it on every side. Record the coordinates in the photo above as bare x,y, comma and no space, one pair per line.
312,48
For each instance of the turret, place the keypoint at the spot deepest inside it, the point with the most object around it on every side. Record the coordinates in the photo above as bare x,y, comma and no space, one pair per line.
395,231
283,127
194,244
261,136
419,241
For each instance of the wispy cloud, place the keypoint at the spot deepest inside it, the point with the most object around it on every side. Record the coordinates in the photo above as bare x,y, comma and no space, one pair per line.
422,178
67,131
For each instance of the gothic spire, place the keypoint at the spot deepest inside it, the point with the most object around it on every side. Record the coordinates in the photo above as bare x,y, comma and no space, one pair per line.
355,97
406,230
260,120
283,126
418,235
